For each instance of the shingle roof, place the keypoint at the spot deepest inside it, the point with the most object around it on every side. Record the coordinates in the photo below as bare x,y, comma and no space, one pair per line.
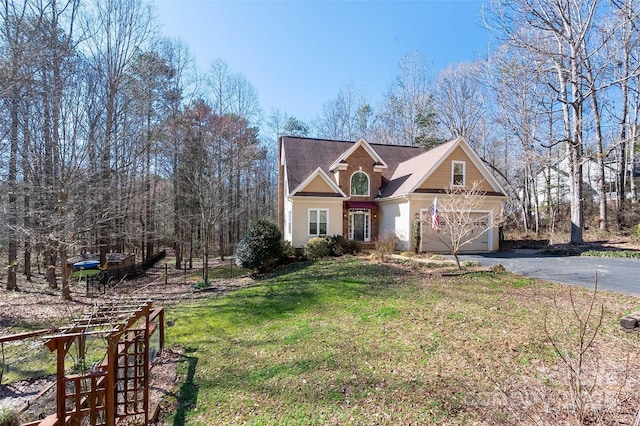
305,155
406,165
407,175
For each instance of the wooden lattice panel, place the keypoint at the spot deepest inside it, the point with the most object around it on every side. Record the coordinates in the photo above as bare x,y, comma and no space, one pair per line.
119,387
132,374
85,398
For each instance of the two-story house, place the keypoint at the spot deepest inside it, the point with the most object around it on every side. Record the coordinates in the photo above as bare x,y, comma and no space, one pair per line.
362,190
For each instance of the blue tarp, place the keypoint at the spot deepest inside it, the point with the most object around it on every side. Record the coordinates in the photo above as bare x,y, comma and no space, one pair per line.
86,264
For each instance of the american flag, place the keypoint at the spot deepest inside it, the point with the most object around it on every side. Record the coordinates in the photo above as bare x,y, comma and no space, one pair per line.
435,215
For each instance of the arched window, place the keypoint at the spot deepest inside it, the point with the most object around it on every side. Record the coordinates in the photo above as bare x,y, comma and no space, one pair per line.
359,184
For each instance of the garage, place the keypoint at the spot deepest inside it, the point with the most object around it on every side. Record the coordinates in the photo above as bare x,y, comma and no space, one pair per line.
472,233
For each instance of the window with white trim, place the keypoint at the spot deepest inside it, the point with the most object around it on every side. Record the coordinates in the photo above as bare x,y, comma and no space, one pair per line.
458,173
360,184
318,222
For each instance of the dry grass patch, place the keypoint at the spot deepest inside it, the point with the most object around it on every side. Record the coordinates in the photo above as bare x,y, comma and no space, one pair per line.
347,341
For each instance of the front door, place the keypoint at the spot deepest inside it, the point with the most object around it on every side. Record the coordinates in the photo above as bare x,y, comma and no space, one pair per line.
359,225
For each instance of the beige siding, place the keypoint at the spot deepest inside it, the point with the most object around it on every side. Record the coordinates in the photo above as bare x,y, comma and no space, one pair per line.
317,185
441,177
300,218
489,241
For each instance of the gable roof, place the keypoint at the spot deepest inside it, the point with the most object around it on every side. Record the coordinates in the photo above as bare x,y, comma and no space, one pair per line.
325,177
411,174
360,143
305,155
407,167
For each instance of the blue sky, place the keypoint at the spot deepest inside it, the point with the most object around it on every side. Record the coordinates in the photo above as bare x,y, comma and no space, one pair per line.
298,54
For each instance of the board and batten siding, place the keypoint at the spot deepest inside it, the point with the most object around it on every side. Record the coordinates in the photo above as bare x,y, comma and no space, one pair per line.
394,218
441,177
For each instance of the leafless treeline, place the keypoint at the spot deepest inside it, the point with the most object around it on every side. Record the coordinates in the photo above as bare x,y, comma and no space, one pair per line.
110,142
555,103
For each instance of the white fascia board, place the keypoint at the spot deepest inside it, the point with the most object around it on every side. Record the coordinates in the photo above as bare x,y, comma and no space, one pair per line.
325,177
325,200
475,159
438,163
360,143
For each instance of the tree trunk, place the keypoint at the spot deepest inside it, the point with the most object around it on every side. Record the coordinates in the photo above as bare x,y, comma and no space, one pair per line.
66,289
12,248
27,197
50,259
205,261
602,192
191,247
632,148
177,229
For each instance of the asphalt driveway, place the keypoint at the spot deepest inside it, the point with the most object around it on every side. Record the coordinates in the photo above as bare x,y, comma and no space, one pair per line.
614,274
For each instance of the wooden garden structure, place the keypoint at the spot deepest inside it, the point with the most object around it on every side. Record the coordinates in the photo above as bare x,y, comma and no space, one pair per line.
117,387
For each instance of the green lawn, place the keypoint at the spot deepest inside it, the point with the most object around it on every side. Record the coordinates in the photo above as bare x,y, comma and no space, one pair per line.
347,341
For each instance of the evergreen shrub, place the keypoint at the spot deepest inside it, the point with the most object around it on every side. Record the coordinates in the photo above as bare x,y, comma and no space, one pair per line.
316,248
261,248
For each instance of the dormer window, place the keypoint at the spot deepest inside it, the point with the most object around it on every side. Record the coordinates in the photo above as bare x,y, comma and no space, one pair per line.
360,184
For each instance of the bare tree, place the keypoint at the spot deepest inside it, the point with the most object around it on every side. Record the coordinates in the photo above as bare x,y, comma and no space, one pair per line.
231,93
459,218
180,60
559,33
346,116
119,28
525,115
407,116
14,83
625,72
459,102
149,86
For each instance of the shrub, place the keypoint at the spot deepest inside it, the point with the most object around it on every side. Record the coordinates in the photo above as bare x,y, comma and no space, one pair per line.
8,418
470,264
288,251
385,246
629,254
339,245
261,248
353,247
638,231
497,268
316,248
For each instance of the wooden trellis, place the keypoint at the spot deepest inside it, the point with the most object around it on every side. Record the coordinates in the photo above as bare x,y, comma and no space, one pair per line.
119,386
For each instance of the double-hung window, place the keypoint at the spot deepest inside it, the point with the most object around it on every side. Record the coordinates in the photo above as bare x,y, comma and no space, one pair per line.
457,173
318,222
